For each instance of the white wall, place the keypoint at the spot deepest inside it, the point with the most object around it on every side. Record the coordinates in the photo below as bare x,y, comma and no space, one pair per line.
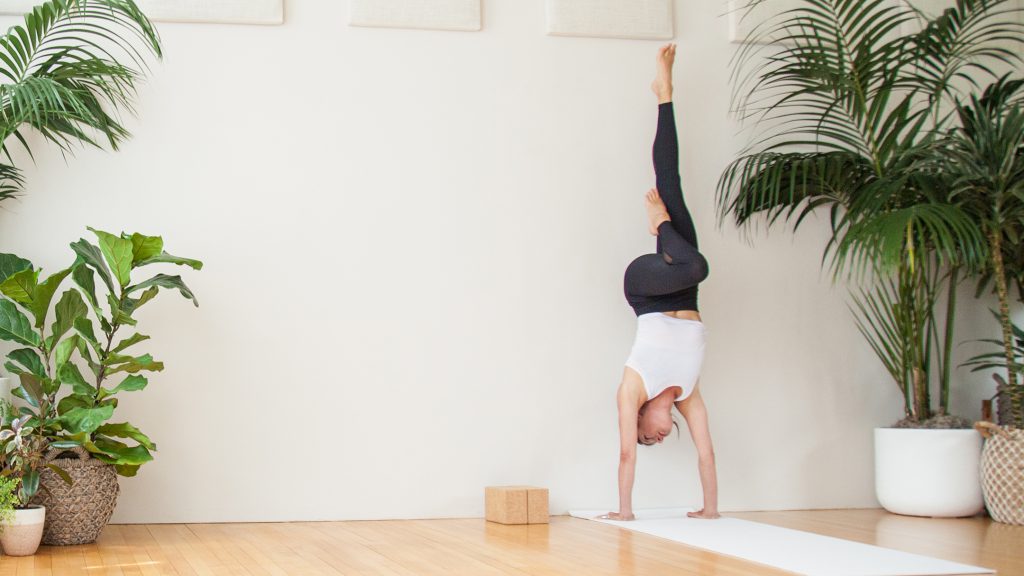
414,245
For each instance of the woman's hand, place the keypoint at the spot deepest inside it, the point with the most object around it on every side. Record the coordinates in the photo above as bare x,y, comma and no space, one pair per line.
617,516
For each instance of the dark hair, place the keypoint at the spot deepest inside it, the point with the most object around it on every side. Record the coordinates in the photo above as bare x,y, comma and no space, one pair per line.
674,423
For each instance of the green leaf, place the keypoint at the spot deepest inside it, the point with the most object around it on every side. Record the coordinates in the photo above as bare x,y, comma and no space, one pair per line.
74,401
126,430
69,308
119,315
60,471
86,280
21,286
92,257
29,485
10,264
145,247
86,419
165,281
69,374
29,360
83,326
127,470
43,295
63,352
132,383
15,327
134,455
166,258
144,362
130,341
130,305
118,254
33,389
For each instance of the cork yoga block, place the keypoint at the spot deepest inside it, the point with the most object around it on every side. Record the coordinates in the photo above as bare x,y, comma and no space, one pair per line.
516,504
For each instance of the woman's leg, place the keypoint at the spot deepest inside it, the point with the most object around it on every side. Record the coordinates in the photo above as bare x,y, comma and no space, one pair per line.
696,415
666,150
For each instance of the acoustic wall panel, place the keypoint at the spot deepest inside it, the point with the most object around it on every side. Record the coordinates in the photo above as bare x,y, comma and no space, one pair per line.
640,19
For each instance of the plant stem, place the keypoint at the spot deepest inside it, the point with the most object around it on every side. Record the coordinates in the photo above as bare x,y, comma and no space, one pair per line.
947,348
1012,392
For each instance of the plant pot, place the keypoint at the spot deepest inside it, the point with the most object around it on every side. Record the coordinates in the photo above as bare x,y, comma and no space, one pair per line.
928,472
77,513
5,389
1002,472
21,536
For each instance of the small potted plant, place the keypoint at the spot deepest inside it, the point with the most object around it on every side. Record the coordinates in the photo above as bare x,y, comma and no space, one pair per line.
21,454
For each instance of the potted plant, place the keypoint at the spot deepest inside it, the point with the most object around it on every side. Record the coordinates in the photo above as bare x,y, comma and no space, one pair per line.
853,106
984,158
65,72
70,406
21,522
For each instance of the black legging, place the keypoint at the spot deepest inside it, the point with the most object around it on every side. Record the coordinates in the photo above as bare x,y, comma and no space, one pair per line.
668,280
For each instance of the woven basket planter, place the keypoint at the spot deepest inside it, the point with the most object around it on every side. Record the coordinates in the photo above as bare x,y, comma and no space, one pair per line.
77,514
1002,472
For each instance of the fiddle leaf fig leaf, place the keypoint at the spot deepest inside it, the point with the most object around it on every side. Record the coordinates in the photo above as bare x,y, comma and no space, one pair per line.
26,361
86,280
92,256
15,326
69,308
84,328
64,351
133,365
10,264
130,341
126,430
145,247
165,258
43,295
118,254
132,383
130,305
33,389
86,419
165,281
119,315
69,374
21,286
77,400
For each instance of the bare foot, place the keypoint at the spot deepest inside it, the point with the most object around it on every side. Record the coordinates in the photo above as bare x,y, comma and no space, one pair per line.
703,515
617,516
656,212
662,85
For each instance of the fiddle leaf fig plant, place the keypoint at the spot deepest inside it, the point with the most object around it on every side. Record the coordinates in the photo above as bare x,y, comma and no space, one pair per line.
73,372
113,364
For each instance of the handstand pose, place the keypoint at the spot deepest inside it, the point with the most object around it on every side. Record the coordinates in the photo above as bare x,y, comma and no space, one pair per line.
664,365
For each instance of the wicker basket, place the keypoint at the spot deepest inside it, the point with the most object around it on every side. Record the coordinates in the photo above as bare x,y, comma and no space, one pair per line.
77,514
1002,472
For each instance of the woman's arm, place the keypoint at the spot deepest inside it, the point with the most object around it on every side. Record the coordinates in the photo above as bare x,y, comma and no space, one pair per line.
628,403
696,415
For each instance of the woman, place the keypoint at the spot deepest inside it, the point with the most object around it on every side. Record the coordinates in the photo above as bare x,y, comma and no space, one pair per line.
665,362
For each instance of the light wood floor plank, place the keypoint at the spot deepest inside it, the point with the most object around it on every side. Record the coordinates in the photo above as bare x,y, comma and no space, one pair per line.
567,546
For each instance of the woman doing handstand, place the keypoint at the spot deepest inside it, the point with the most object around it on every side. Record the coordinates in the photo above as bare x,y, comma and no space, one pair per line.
664,365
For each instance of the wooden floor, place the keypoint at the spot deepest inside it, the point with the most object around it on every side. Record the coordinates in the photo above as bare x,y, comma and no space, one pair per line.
474,547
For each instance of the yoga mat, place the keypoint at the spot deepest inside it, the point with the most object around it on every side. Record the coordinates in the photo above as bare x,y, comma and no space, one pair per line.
793,550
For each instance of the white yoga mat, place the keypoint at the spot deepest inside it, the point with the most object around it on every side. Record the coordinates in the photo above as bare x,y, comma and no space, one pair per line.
793,550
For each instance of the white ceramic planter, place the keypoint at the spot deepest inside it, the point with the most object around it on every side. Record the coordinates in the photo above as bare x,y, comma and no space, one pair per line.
928,472
22,535
5,388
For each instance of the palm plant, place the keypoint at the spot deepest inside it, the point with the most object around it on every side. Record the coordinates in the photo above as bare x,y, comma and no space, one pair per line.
851,107
66,70
984,158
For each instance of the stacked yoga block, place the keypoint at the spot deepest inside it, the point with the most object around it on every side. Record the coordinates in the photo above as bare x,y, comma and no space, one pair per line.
516,504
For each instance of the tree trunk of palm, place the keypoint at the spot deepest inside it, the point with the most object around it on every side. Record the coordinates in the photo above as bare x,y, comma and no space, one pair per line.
1011,393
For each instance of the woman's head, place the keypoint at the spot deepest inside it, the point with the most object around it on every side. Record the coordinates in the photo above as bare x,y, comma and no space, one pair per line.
653,424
